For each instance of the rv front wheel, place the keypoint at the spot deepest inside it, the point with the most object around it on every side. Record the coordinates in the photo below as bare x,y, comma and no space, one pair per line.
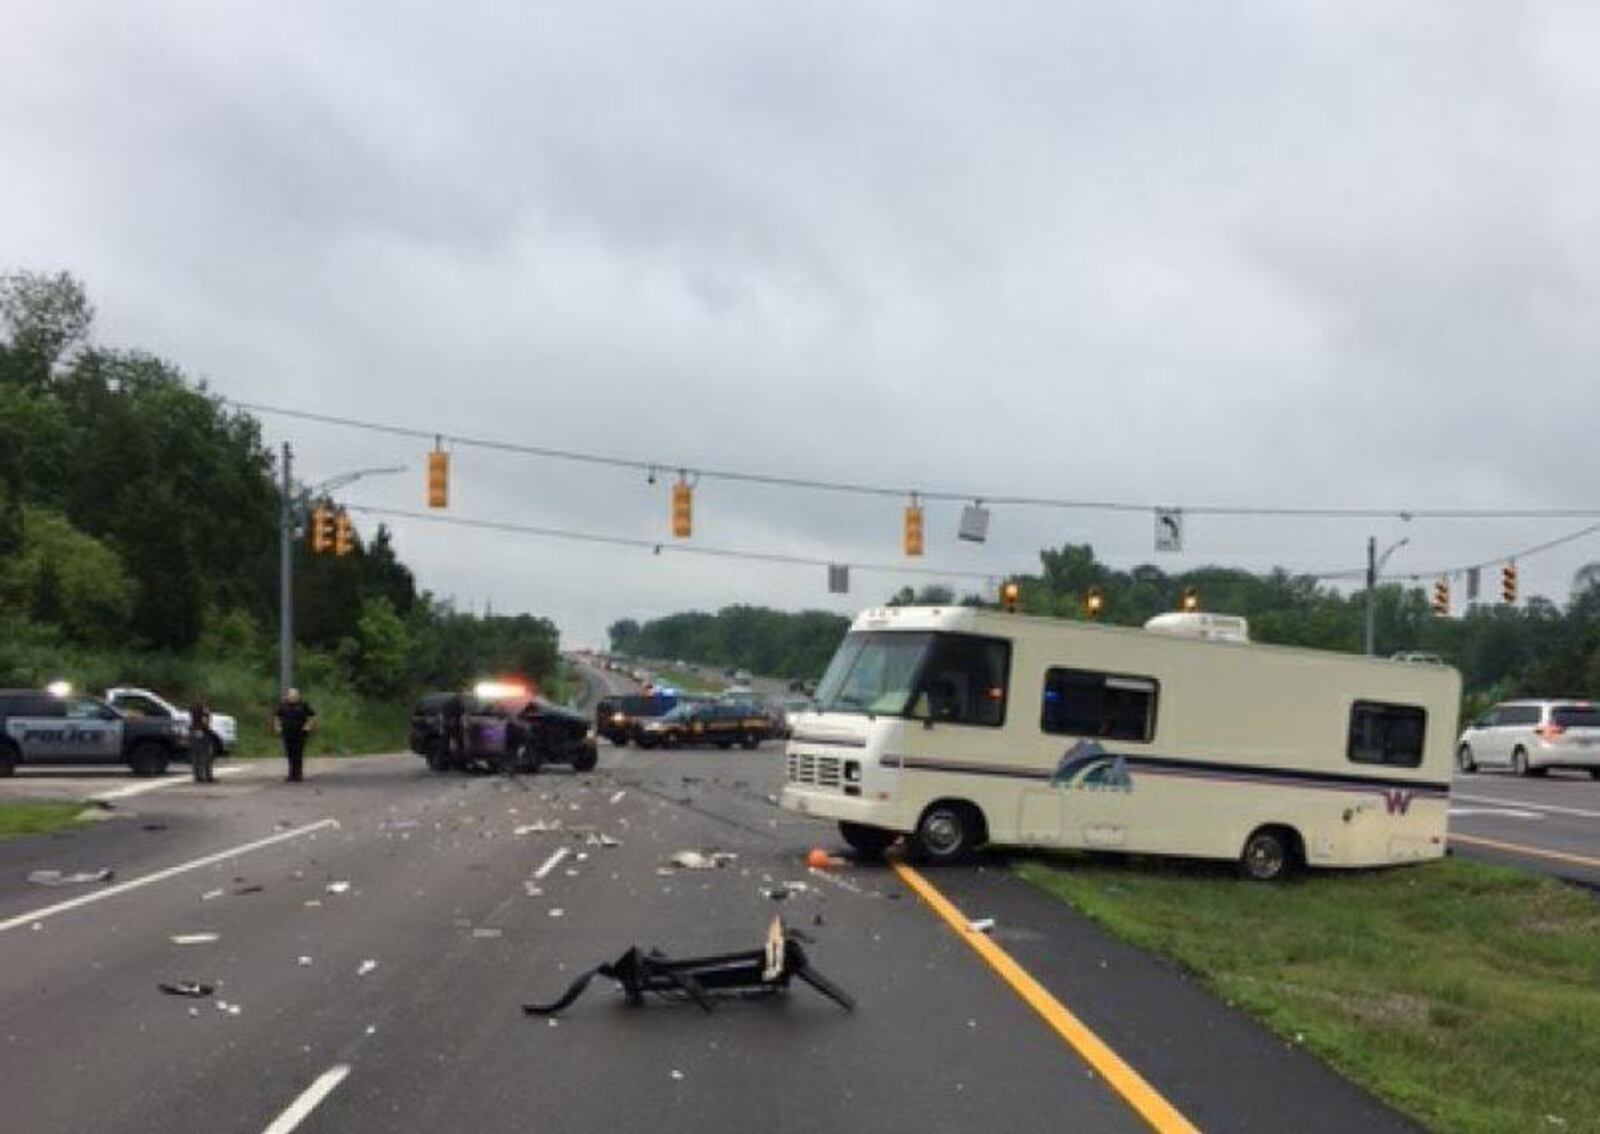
868,842
948,832
1267,855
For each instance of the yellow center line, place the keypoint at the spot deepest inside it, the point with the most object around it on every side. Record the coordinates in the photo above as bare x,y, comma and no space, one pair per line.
1518,848
1127,1082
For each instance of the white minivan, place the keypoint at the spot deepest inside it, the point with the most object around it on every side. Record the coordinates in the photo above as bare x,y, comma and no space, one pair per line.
1530,737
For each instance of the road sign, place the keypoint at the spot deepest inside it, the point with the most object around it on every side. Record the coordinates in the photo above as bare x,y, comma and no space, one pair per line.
1169,529
1472,584
974,523
838,578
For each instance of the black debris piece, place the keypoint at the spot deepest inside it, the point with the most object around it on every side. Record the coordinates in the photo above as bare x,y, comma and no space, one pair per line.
191,988
754,972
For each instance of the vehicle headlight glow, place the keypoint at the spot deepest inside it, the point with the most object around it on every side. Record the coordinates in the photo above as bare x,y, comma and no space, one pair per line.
59,688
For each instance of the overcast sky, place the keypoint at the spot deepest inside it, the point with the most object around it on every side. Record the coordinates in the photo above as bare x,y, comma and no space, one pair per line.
1266,253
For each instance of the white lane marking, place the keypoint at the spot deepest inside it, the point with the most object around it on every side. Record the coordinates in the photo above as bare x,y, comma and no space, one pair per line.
155,785
1525,804
550,863
301,1108
163,875
1506,812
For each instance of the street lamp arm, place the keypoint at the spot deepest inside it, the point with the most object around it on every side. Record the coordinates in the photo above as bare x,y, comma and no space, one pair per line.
1393,547
343,479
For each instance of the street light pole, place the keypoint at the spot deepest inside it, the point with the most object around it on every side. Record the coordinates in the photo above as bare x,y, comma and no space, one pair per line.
286,578
286,517
1375,564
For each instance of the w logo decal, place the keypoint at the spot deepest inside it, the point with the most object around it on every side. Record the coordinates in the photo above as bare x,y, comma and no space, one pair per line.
1397,802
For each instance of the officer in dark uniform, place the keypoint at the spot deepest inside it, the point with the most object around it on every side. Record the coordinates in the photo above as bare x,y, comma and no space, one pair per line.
294,721
202,750
455,730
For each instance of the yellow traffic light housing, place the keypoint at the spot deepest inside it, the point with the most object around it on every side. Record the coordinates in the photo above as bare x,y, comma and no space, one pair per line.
1010,596
913,529
1094,602
321,530
344,541
1508,584
438,479
1190,602
1441,597
682,509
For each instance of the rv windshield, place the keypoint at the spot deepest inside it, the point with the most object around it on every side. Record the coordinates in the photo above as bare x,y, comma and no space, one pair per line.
873,672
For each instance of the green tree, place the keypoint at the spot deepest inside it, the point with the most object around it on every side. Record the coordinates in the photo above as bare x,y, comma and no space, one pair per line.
383,648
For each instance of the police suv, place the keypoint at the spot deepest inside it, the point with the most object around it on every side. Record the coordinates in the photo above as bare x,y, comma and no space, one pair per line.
43,728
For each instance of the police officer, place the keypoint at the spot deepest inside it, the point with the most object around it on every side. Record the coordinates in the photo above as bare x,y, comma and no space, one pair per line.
202,750
294,720
455,730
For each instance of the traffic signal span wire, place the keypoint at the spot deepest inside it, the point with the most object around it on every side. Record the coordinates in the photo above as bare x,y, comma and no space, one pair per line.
662,546
861,489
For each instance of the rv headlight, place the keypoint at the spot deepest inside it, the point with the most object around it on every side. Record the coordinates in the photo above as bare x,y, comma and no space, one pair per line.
852,771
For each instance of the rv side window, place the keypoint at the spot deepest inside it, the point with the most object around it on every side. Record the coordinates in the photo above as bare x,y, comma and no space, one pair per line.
1079,702
1387,734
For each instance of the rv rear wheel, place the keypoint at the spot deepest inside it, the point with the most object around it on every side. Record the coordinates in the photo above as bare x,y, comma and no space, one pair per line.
1268,855
948,832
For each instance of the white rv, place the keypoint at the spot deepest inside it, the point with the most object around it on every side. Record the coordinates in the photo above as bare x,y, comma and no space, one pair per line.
958,727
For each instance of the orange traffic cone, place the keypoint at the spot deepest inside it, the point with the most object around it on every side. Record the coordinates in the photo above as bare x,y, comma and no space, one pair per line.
819,859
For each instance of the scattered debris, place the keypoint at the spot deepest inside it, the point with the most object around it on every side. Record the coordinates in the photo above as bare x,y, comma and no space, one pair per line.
599,839
785,890
209,895
338,887
981,925
192,988
766,970
154,827
312,903
537,826
194,938
676,1074
772,799
617,796
487,931
558,912
78,878
366,967
230,1009
252,888
702,860
304,961
532,888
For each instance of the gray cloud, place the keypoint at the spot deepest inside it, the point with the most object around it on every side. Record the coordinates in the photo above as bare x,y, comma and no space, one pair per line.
1305,253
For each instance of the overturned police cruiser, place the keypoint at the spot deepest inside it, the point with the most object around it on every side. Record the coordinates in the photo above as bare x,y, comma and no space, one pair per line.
499,728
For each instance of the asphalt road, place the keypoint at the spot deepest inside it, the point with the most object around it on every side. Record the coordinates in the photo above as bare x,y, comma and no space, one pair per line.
1550,824
381,926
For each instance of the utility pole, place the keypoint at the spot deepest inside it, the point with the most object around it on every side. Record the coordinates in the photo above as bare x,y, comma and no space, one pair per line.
286,577
1375,564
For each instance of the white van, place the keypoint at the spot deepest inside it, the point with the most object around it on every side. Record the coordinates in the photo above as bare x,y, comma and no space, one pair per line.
958,726
1531,737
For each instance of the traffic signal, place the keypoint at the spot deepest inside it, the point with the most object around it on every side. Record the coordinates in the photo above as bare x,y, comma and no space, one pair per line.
1010,596
321,530
913,530
1441,596
682,509
438,479
1508,584
1093,604
344,536
1190,601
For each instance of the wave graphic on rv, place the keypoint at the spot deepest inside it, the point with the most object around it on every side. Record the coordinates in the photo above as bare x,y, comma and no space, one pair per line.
1088,766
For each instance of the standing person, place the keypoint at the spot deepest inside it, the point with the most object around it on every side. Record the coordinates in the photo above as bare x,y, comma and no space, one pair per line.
455,731
294,720
202,748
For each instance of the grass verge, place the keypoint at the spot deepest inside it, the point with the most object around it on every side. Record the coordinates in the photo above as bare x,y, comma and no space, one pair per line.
35,818
1467,996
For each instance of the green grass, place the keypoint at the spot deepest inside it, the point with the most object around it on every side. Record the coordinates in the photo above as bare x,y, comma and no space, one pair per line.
31,818
1467,996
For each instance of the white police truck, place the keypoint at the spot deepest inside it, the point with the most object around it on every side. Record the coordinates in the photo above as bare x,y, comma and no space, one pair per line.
51,729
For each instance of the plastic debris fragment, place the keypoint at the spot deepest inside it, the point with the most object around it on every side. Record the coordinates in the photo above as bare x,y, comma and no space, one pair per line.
76,878
366,967
191,988
194,938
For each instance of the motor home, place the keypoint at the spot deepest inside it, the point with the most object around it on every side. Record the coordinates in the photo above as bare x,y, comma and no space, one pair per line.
957,727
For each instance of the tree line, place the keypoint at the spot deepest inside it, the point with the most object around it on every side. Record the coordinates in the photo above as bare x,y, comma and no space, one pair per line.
1537,648
139,514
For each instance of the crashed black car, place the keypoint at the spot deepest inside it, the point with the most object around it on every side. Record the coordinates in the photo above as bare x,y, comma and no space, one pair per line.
504,734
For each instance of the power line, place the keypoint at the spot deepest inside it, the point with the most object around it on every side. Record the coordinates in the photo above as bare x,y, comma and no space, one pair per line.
638,464
1525,553
658,547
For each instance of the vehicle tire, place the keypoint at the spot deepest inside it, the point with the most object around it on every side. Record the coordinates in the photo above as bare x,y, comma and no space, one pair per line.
724,744
750,741
868,842
619,741
148,759
1464,760
1519,763
1594,773
672,740
586,760
8,761
528,760
1268,855
645,743
948,833
437,755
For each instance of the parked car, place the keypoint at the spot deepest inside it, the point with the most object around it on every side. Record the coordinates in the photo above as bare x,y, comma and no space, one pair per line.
519,733
1531,737
707,723
47,728
617,718
132,701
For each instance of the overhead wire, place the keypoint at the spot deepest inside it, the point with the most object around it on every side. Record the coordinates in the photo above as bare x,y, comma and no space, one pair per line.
639,464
